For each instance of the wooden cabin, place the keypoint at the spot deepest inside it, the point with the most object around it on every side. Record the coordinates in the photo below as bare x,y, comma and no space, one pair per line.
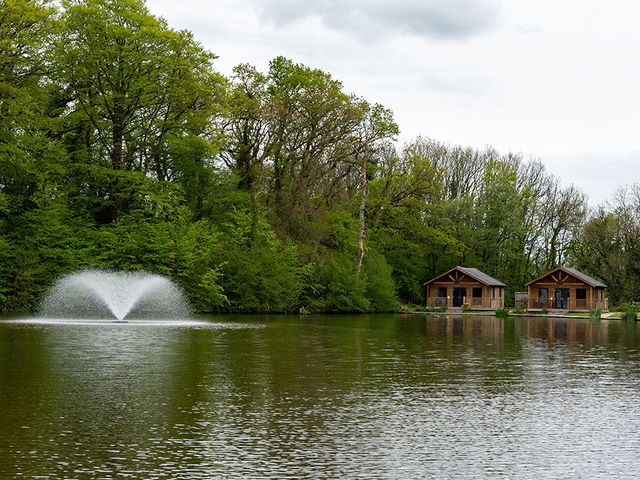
566,289
462,285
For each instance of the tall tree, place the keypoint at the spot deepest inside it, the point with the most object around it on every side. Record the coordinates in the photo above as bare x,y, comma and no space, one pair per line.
376,130
33,213
26,28
609,245
248,133
297,137
142,95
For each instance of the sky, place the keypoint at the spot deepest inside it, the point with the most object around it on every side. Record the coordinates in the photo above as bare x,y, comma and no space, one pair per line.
554,80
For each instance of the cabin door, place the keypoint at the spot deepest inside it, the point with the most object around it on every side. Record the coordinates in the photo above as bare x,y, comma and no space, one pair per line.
561,298
459,295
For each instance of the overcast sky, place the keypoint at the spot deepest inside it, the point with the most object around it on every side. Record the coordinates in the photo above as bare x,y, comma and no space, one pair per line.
556,80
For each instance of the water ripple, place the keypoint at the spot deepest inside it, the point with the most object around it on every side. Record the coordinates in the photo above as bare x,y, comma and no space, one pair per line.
361,398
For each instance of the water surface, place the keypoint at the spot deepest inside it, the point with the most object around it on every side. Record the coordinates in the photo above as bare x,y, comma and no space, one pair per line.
320,397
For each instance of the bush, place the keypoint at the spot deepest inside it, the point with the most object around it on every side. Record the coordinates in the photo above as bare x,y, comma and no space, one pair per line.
520,307
261,278
595,314
466,307
629,314
179,248
625,307
502,312
544,311
381,288
259,273
338,287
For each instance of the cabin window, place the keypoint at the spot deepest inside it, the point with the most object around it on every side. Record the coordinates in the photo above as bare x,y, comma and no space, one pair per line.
477,292
543,293
581,293
442,292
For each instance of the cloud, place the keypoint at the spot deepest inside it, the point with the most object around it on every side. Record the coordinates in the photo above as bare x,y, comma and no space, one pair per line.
429,19
458,81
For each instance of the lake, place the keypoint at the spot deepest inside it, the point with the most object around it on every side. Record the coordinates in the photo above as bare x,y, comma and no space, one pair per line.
328,397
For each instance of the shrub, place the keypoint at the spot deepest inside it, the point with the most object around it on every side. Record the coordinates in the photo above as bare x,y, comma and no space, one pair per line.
260,273
380,287
595,314
502,312
466,307
520,307
186,251
544,311
629,314
338,288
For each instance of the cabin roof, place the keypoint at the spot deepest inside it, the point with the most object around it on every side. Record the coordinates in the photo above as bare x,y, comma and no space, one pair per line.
576,273
475,274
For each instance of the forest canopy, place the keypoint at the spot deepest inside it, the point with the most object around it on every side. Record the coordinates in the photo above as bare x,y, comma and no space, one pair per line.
122,147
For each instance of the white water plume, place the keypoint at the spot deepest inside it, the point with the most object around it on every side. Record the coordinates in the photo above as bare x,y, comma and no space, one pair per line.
98,294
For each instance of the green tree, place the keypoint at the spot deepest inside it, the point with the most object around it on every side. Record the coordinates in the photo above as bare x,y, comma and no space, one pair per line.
34,218
297,140
608,245
141,98
377,129
339,286
172,244
404,210
259,273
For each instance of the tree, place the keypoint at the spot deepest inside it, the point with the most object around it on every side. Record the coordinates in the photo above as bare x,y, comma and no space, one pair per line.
377,129
565,212
298,140
404,209
32,199
609,245
141,97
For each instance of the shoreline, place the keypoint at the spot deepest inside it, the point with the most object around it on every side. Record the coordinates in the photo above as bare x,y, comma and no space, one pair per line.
605,316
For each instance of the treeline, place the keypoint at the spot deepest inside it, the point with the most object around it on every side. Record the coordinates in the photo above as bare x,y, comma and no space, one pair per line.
122,147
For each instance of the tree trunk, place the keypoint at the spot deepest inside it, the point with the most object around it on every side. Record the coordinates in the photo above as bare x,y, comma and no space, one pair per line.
363,196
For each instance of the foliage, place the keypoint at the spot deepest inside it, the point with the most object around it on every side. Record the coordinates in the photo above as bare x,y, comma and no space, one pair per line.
260,274
595,314
122,147
380,289
520,307
140,96
503,312
339,287
629,314
623,307
466,307
609,245
179,248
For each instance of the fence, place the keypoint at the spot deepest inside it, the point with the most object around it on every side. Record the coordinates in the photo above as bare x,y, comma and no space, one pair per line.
475,302
568,304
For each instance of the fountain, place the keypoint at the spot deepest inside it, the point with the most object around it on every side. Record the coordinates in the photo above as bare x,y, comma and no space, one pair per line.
99,294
